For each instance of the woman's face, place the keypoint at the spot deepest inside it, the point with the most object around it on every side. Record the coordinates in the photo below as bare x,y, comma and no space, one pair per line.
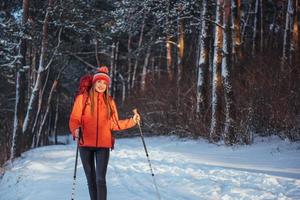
100,86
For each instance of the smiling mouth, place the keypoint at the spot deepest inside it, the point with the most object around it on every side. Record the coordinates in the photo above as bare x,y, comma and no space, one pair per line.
100,88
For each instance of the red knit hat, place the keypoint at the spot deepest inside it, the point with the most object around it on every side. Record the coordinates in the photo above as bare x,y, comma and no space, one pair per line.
102,75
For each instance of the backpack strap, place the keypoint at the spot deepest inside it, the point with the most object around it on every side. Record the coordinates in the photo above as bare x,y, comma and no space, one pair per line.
85,97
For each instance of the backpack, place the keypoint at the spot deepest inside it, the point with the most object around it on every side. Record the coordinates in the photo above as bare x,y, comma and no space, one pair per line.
85,84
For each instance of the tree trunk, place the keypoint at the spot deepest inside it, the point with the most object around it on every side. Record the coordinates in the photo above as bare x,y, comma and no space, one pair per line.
169,58
203,65
123,87
215,129
154,67
129,62
96,52
254,36
44,118
138,53
38,84
43,121
180,52
145,66
286,37
32,71
237,42
56,119
261,27
40,103
246,22
18,137
295,37
114,77
17,146
229,134
112,64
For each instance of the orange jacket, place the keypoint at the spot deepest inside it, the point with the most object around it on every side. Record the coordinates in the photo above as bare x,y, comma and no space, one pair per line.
96,128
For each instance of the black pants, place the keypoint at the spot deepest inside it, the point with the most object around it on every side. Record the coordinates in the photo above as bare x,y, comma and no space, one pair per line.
95,175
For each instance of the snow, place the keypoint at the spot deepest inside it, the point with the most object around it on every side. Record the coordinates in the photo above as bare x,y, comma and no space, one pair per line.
184,170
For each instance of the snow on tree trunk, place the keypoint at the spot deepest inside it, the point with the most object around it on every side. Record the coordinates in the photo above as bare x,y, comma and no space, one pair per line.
261,27
123,87
145,66
215,128
245,25
112,64
236,13
43,121
38,112
129,62
18,137
115,70
161,60
96,52
40,137
180,52
295,37
168,45
56,119
153,66
286,37
14,152
203,64
254,36
228,134
37,86
32,74
169,58
138,53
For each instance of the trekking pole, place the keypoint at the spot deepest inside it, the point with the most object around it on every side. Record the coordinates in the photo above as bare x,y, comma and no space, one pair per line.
75,169
146,151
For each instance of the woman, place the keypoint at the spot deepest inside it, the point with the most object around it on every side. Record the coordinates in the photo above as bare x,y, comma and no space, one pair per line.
96,114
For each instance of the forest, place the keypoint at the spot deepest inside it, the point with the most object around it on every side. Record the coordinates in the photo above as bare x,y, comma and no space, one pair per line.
223,70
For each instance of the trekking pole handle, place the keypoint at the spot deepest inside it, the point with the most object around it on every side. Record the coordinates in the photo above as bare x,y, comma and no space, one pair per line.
136,112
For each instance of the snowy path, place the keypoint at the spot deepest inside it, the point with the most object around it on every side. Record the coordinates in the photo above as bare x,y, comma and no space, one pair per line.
184,170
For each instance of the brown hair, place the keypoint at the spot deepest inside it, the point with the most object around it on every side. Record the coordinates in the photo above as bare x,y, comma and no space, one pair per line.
106,98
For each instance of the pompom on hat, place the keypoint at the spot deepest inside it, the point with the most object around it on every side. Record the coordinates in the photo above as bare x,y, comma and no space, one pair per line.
102,74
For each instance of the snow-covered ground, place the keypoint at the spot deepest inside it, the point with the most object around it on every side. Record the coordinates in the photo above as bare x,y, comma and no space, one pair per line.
184,170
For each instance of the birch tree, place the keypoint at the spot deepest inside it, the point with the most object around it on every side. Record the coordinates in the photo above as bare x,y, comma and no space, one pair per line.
215,127
295,37
254,35
180,52
236,18
144,69
115,69
38,84
203,64
261,17
112,64
138,52
168,44
228,134
286,37
20,92
129,69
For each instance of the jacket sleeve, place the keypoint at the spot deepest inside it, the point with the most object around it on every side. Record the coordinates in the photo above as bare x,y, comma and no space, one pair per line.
116,124
75,117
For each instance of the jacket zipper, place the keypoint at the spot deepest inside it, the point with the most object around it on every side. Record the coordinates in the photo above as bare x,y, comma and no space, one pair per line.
97,119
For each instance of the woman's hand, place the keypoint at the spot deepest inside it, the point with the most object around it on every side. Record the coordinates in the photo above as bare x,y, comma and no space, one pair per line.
76,133
136,117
